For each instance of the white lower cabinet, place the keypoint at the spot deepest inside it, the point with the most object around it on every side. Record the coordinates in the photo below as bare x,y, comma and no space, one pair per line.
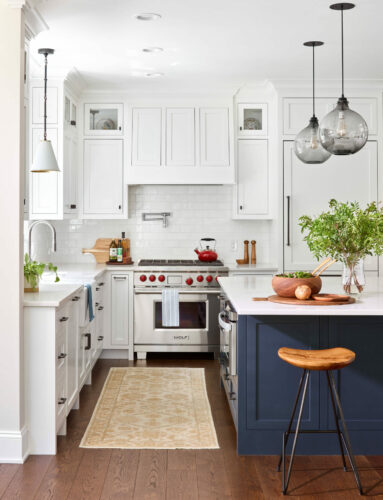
103,181
120,309
252,196
72,351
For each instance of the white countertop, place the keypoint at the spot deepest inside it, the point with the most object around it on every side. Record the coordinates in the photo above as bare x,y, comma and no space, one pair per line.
50,295
252,268
241,289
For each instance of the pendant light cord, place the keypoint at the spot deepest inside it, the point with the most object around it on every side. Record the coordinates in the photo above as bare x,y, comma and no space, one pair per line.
342,53
45,96
313,80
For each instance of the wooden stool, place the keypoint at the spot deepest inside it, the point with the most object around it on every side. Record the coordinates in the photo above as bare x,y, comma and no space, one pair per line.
321,360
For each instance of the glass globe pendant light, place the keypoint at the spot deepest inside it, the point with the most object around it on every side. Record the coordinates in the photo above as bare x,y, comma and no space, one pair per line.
307,145
45,159
343,131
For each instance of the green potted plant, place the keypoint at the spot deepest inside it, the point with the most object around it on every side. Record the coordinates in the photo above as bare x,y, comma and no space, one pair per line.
348,234
33,271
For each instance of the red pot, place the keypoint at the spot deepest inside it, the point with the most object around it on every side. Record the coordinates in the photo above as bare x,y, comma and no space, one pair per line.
207,254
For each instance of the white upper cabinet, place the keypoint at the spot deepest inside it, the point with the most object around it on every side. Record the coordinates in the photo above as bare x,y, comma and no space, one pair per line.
298,111
71,174
309,188
252,189
180,137
38,105
146,137
103,180
103,119
252,120
44,187
214,137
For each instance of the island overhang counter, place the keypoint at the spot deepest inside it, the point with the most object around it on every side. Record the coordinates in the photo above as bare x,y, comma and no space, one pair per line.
266,386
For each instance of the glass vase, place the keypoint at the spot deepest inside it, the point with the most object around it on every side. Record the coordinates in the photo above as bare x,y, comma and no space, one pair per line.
353,278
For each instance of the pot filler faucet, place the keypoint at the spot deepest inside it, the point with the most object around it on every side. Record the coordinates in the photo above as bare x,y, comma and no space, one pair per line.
53,231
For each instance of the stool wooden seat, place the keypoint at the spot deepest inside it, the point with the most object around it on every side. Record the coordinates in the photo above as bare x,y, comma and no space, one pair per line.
324,359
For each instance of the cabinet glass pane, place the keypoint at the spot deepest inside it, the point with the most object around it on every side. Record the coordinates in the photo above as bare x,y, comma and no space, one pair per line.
103,119
252,119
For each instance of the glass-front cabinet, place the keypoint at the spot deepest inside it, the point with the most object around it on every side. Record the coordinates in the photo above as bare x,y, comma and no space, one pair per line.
252,120
103,119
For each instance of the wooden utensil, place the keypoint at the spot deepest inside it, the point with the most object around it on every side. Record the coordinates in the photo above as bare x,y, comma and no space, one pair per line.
320,265
245,259
253,254
100,250
330,297
326,267
325,264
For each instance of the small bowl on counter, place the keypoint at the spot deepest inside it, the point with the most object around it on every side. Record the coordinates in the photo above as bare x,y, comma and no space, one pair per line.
285,285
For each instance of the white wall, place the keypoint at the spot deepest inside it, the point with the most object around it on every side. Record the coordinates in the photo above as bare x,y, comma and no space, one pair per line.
197,211
11,215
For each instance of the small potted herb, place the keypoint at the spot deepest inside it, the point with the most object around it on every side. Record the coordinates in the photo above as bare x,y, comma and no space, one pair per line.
32,273
348,234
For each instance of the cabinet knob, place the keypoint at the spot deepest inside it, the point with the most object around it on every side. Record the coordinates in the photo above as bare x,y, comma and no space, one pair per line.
62,355
73,206
73,122
64,318
241,207
240,128
119,207
61,401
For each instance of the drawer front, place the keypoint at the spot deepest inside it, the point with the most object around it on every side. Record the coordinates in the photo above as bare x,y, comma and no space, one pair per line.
62,317
61,399
61,349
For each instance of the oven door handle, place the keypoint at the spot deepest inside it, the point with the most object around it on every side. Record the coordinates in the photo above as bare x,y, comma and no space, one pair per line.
185,292
222,323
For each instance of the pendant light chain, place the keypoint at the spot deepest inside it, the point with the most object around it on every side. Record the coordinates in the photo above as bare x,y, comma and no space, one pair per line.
342,53
45,96
313,80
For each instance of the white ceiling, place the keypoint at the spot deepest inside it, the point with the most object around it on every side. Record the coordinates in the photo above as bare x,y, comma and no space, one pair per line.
209,43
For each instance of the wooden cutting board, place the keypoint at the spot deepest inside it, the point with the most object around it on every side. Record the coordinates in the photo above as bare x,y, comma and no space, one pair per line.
310,302
101,250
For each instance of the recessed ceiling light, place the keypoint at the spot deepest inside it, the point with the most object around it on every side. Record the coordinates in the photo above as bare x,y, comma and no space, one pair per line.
152,50
148,16
154,75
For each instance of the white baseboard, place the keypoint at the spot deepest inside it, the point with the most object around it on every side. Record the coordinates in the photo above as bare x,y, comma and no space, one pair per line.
14,446
115,354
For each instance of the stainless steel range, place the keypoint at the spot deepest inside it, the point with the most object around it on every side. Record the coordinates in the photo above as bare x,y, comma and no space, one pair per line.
196,281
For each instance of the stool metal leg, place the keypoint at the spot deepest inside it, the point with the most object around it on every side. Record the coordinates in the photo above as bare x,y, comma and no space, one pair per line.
285,481
345,435
336,421
291,419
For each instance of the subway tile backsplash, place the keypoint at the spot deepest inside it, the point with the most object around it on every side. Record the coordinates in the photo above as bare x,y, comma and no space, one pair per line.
197,212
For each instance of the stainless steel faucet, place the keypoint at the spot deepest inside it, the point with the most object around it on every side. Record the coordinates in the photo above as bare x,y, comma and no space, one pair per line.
53,231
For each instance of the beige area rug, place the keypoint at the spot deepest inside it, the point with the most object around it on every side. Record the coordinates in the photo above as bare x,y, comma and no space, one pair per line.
152,408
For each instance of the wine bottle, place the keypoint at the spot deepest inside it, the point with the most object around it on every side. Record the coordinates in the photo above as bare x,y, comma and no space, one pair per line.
119,251
113,252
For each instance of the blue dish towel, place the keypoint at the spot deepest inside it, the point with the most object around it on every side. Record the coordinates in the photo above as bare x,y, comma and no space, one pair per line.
170,307
90,302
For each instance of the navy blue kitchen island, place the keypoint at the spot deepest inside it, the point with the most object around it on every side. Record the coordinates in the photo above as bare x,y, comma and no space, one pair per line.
262,394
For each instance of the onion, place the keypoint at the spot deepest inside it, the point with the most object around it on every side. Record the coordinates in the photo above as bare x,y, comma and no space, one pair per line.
302,292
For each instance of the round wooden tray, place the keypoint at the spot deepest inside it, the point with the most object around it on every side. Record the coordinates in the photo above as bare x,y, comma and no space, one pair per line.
310,302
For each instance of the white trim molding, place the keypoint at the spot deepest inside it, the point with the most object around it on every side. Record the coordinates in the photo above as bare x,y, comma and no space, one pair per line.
34,22
14,446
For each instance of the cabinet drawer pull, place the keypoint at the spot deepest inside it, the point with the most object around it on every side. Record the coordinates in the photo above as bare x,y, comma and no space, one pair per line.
288,220
73,206
64,318
100,338
101,284
119,207
101,308
232,396
97,288
89,341
75,299
62,355
119,278
97,304
61,401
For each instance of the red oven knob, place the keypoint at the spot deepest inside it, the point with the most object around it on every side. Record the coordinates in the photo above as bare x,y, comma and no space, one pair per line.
143,277
152,278
209,279
216,278
189,281
161,278
199,279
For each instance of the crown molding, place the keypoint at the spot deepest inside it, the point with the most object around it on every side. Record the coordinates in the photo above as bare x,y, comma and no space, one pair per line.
368,84
34,22
16,4
75,82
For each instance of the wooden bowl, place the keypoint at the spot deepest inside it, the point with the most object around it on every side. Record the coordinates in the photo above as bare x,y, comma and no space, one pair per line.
285,287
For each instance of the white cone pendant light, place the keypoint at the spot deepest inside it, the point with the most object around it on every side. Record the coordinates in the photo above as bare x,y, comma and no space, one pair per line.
307,145
343,131
45,159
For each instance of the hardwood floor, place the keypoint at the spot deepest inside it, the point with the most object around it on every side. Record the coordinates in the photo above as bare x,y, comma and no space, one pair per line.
76,473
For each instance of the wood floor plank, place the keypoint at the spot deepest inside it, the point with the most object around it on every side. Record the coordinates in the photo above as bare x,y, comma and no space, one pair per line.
181,475
151,475
7,472
91,474
211,475
121,476
27,479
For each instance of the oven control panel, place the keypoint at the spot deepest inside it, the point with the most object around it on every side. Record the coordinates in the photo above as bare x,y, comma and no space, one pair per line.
174,279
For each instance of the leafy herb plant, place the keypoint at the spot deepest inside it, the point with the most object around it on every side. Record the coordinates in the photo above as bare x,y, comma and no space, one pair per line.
346,232
33,271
